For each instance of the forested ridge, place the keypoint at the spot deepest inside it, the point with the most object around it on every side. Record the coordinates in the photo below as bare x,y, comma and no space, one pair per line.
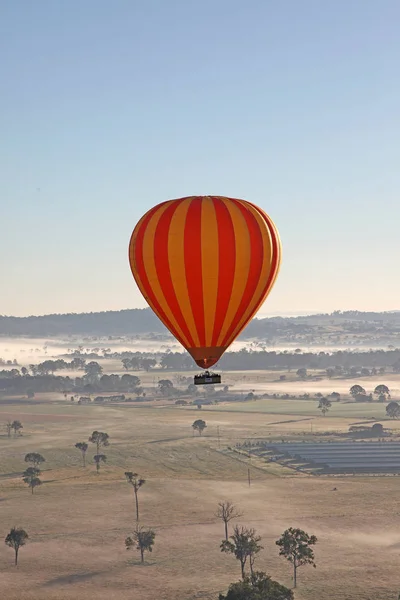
138,321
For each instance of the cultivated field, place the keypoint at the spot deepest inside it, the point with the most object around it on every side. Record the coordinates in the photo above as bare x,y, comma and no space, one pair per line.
77,521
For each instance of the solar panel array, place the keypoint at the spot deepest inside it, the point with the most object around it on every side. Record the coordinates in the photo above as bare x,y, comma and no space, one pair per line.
343,457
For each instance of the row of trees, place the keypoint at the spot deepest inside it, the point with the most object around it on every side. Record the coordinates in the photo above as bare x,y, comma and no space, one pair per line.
341,372
138,363
93,382
335,364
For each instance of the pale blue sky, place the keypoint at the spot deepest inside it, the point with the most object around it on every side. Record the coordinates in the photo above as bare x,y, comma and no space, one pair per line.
110,107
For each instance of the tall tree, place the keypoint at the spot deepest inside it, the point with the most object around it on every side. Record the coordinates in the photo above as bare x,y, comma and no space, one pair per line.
226,511
31,477
199,425
143,539
8,428
324,405
99,458
93,372
82,446
17,426
16,539
257,586
244,544
295,546
35,458
136,482
101,440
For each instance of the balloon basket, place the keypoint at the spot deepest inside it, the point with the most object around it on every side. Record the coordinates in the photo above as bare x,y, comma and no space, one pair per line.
207,378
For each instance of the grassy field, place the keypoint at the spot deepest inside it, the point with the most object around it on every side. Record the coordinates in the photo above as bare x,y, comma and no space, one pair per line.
77,521
304,407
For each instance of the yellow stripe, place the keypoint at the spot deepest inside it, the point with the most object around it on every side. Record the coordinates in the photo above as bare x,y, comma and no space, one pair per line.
265,271
242,242
209,264
150,267
132,261
176,259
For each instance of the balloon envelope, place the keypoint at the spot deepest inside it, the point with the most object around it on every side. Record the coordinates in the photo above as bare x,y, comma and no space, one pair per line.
205,264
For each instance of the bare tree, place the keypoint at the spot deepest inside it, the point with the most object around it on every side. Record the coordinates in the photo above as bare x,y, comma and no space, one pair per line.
82,446
227,511
15,539
136,482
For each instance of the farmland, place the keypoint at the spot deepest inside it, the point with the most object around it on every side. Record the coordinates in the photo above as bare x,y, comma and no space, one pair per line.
77,521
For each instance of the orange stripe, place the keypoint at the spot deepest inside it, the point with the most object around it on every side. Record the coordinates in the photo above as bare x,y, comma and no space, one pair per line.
205,265
271,251
150,268
242,265
256,262
226,264
162,263
176,259
209,254
193,266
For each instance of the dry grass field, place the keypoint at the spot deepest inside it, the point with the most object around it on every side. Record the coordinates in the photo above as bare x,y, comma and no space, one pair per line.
78,520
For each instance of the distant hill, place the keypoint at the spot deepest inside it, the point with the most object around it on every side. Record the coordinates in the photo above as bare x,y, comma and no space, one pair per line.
141,321
122,322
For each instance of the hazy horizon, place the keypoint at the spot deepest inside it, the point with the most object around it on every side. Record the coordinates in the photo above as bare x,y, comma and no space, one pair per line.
260,315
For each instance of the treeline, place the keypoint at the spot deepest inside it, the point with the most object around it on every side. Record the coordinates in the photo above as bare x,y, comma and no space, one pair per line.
350,363
139,321
340,363
29,385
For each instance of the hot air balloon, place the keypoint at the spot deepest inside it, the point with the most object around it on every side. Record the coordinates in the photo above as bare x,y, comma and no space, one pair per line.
205,265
